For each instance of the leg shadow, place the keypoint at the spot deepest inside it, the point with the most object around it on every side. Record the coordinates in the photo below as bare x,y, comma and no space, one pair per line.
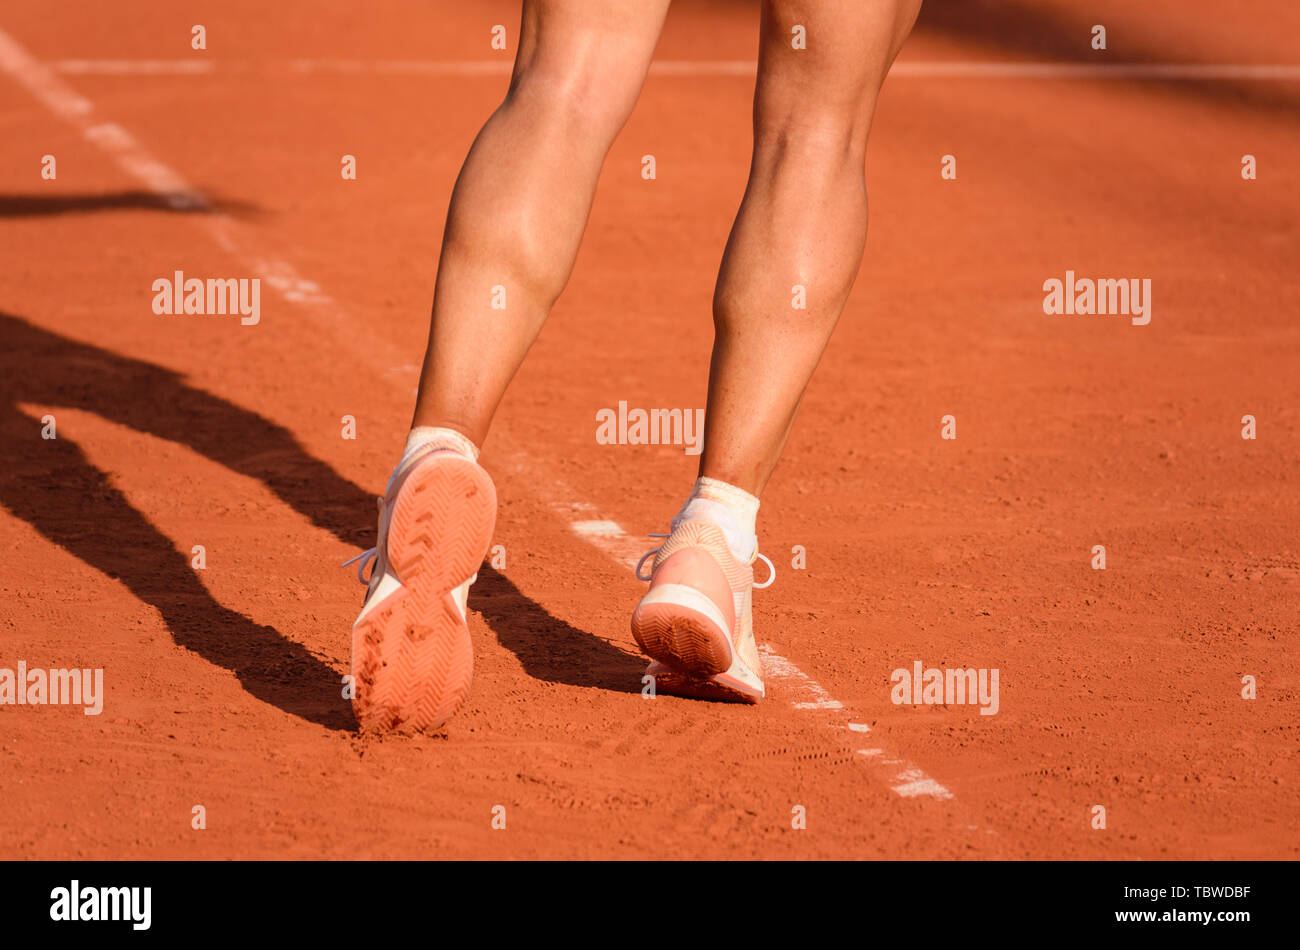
550,648
41,205
53,487
47,369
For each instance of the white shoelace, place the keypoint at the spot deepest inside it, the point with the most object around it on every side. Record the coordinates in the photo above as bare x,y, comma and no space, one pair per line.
771,568
651,553
368,555
365,557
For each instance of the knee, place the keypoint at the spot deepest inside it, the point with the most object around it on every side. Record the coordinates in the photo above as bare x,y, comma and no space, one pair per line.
821,139
587,97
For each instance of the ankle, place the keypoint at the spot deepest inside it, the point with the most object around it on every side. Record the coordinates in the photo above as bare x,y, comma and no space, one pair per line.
732,509
422,438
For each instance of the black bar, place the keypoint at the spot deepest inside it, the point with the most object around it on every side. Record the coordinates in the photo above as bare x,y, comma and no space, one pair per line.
932,902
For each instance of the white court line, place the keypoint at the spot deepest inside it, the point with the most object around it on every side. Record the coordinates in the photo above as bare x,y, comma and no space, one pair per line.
907,779
605,534
814,696
131,156
917,69
135,67
914,783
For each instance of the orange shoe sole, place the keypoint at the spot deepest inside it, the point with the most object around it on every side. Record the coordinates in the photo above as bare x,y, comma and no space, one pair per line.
412,658
680,637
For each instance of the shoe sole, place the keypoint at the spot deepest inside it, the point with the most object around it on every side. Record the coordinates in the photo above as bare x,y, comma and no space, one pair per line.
412,658
683,629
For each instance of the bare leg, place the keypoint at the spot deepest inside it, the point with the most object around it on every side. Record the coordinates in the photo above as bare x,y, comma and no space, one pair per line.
803,222
523,196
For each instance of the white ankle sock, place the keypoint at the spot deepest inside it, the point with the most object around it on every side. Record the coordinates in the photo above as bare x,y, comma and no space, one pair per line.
732,509
422,436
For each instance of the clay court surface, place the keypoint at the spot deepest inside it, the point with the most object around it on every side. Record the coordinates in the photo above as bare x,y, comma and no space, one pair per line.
1119,687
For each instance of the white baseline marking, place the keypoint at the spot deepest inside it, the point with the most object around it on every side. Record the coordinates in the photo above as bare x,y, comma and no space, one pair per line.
609,536
1184,72
957,69
605,534
52,92
781,668
135,67
913,783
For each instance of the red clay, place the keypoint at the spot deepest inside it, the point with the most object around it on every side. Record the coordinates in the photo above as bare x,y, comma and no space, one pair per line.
1120,688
